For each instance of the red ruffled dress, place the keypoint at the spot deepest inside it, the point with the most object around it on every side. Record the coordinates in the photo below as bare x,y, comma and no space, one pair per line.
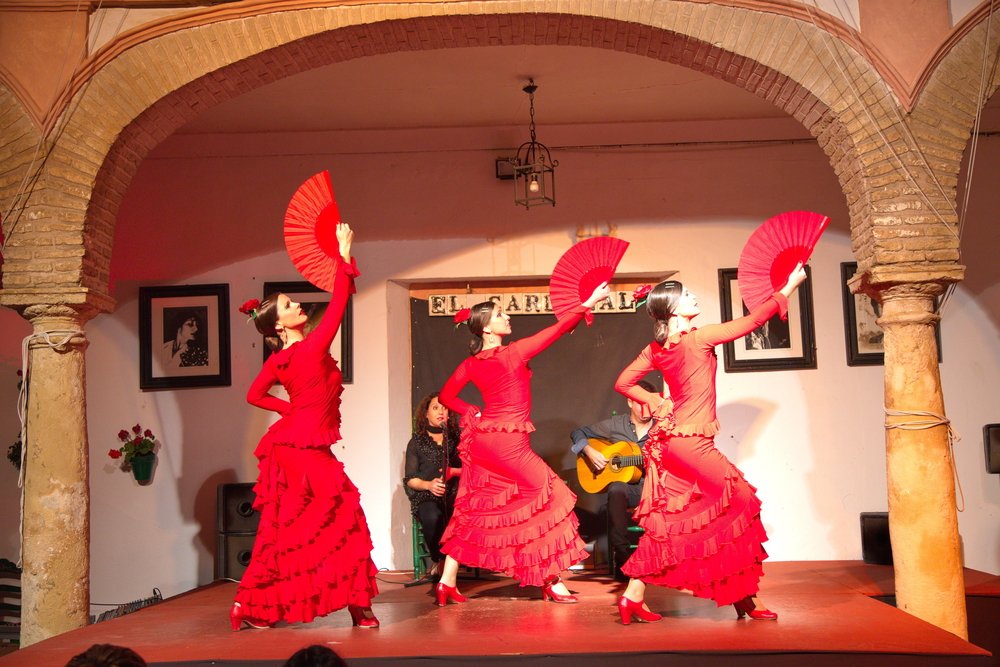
312,553
512,513
700,516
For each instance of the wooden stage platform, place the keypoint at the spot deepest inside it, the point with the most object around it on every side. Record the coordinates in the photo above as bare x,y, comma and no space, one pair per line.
827,617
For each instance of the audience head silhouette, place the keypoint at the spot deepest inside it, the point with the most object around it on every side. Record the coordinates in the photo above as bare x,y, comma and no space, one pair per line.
315,656
107,655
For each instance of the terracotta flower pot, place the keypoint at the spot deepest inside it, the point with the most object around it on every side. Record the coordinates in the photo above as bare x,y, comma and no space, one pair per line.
142,467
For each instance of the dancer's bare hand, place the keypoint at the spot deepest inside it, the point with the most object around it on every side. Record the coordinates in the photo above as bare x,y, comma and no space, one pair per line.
795,279
601,292
345,237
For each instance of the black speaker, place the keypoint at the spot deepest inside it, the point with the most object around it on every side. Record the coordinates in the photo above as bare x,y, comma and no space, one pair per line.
236,521
991,440
232,554
876,549
235,509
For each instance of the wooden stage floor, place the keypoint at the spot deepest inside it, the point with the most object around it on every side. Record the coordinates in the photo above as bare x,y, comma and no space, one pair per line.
827,617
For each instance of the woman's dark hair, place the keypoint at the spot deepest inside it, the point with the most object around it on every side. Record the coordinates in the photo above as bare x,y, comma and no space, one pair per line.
420,416
182,316
481,315
175,319
267,318
660,305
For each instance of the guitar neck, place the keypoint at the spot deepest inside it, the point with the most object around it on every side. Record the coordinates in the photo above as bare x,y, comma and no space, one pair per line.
629,460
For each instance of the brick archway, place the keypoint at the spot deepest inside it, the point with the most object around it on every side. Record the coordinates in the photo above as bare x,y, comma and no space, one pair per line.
104,140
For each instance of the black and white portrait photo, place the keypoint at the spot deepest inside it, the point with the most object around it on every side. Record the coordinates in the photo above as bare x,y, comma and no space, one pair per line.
778,344
183,336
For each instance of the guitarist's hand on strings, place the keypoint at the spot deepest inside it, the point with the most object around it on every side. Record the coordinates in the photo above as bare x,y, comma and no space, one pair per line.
597,461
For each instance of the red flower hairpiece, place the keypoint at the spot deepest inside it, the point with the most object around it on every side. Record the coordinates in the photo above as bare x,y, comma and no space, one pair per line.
250,308
462,316
640,294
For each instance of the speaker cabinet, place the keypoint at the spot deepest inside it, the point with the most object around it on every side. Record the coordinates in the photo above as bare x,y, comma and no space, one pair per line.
232,554
235,509
991,440
876,549
236,521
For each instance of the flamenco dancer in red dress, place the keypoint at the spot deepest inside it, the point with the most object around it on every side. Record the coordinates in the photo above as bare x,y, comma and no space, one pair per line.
701,517
312,555
512,514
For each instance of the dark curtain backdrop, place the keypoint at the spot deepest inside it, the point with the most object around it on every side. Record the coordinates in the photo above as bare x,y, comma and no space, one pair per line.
572,382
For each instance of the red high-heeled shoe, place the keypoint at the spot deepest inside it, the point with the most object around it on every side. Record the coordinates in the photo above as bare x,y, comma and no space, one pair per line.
362,617
629,608
748,608
444,592
549,594
238,619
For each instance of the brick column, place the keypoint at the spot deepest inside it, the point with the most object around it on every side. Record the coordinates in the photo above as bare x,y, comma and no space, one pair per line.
923,522
56,544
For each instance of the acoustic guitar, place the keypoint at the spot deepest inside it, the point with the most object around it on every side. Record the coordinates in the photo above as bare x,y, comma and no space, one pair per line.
624,465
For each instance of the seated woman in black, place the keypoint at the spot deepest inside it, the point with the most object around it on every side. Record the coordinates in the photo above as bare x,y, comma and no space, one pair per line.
432,470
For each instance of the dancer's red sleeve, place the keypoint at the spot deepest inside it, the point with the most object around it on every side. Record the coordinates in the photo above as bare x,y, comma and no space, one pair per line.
716,334
343,288
532,345
259,395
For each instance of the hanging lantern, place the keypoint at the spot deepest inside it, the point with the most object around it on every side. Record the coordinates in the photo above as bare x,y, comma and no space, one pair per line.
533,166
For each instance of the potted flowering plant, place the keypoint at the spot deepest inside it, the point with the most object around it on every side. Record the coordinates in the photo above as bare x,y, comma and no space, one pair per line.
137,453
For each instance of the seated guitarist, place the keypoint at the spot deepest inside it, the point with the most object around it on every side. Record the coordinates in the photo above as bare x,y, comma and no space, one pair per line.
631,427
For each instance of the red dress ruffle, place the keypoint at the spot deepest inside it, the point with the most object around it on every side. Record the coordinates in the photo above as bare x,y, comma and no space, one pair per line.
312,552
512,514
701,520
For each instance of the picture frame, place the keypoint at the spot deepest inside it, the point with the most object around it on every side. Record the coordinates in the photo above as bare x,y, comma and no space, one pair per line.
778,345
862,334
314,302
184,336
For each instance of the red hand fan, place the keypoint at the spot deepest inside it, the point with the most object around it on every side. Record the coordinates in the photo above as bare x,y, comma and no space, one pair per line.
311,231
581,269
773,250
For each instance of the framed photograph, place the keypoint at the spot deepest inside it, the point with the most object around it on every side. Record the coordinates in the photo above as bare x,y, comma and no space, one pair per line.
184,336
863,335
314,302
778,345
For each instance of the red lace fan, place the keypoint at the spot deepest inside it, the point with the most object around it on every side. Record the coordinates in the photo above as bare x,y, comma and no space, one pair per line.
773,250
311,231
581,269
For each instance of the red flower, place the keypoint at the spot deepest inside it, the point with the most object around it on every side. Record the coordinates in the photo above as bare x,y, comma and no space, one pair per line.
123,434
115,454
137,429
462,316
250,307
147,433
640,294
